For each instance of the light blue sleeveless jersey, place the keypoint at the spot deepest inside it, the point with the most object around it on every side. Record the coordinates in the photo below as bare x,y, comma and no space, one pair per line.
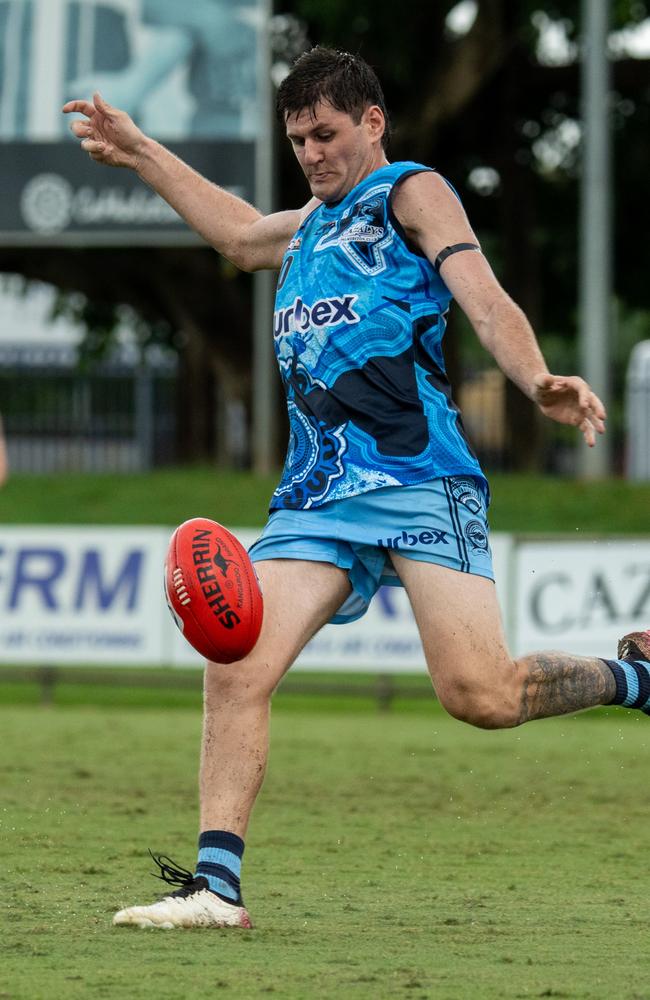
358,327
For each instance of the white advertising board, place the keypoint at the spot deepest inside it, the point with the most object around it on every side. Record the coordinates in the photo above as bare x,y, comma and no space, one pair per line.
580,597
73,595
82,595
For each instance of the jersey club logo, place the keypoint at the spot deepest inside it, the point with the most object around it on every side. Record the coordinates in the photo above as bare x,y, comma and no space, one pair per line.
362,232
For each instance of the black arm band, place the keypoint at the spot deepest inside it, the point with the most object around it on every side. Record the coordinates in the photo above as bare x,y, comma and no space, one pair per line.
447,252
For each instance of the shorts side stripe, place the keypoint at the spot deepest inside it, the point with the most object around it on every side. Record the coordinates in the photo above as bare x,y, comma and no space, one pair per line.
455,520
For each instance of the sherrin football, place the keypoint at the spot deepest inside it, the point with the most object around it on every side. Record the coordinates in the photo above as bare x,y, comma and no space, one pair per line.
212,590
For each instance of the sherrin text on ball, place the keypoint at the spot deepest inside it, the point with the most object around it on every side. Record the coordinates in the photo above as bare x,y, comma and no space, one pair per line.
212,590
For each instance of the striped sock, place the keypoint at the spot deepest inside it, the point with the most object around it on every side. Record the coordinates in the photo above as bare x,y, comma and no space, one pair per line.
220,855
632,683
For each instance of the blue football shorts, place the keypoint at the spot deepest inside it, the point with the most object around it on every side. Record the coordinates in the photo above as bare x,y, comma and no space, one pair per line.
442,521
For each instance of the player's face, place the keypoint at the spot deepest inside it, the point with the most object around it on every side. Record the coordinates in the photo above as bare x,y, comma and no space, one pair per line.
334,152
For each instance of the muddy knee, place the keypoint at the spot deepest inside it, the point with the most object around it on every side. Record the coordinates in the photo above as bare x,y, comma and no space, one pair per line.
495,707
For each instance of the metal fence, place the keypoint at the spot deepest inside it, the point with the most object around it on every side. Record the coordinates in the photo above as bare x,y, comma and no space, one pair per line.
114,418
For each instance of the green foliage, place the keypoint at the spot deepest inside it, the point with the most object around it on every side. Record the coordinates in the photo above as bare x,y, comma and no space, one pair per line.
103,320
390,856
373,31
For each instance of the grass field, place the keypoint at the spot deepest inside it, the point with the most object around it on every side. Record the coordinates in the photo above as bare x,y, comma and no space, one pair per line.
520,503
391,855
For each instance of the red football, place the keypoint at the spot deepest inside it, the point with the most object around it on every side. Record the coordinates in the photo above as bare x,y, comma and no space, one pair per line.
212,590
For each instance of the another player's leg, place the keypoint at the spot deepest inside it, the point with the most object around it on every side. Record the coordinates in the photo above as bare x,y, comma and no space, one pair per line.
475,677
299,598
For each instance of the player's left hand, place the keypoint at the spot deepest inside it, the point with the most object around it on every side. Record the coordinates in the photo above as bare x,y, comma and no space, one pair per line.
570,400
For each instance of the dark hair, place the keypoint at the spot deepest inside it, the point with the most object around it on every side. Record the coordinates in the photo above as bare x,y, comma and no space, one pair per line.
345,81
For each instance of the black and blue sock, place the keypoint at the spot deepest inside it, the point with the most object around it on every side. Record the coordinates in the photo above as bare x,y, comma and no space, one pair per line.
220,855
632,683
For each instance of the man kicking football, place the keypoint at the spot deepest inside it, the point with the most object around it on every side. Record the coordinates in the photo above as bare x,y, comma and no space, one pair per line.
380,483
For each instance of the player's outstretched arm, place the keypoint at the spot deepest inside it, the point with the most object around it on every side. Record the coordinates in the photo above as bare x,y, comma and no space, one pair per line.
434,218
226,222
505,332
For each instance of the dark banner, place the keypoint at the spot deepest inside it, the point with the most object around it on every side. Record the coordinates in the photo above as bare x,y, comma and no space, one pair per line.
185,70
53,194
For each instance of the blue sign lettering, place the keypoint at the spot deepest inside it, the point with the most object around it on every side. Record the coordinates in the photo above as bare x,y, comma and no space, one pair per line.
42,575
93,585
38,569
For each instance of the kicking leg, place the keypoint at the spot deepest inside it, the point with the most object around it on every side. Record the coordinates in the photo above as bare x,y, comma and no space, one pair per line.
475,677
299,598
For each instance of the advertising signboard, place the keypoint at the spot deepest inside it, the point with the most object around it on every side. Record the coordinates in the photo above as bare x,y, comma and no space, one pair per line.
580,597
186,72
80,595
73,595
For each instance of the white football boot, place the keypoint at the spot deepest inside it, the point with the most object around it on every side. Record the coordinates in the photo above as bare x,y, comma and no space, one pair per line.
192,905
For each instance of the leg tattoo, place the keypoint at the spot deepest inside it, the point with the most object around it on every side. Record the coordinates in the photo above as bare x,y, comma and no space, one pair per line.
556,684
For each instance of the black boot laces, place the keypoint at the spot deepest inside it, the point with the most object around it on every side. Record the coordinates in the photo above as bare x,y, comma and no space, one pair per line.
173,875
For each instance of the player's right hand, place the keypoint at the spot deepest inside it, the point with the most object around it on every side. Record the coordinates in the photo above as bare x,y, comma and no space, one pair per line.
108,135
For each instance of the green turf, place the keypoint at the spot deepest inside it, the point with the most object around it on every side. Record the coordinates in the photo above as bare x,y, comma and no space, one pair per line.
400,855
166,496
521,503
